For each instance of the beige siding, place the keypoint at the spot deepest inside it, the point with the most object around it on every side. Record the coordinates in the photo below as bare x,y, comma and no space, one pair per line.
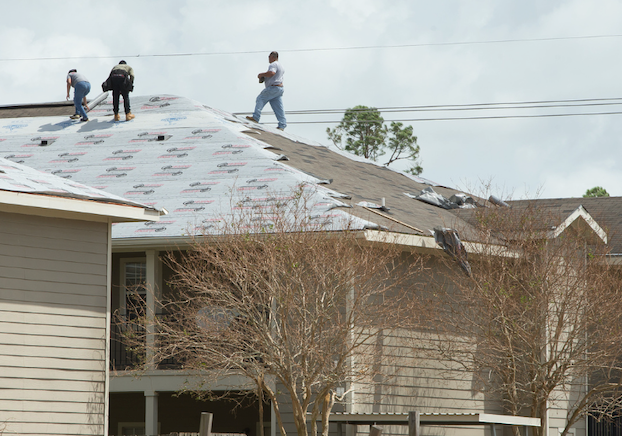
560,405
53,290
416,379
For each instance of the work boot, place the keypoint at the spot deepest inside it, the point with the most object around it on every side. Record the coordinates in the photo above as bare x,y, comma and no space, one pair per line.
117,117
129,116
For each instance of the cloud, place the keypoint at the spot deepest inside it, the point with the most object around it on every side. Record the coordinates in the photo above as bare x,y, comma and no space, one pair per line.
563,155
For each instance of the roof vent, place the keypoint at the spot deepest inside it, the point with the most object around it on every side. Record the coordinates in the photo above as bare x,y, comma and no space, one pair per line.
370,205
161,138
44,142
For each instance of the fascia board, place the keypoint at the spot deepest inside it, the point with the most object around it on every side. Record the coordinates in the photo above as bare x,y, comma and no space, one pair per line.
579,212
162,244
427,243
72,208
415,242
406,240
371,236
172,380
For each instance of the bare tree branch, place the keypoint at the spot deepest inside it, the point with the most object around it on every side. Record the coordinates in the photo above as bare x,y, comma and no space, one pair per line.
287,306
539,315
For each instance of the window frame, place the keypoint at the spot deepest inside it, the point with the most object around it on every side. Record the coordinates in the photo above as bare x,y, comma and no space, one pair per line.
124,285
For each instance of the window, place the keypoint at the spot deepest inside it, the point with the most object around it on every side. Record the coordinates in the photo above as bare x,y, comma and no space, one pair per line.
134,281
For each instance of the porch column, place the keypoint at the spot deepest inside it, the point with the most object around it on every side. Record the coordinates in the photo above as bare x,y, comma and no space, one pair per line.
151,413
153,275
414,424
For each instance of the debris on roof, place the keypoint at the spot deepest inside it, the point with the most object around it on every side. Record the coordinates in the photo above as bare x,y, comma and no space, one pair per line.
450,242
463,201
373,205
458,200
497,201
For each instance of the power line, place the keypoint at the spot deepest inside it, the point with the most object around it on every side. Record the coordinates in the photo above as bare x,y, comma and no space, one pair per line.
365,47
436,44
471,106
491,117
517,105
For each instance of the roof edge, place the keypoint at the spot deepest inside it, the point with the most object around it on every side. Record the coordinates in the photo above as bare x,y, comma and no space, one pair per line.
74,208
36,105
580,212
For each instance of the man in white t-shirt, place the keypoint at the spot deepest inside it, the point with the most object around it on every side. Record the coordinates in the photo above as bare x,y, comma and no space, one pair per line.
272,93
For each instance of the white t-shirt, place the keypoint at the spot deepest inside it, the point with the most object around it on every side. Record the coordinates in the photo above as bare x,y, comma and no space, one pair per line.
277,79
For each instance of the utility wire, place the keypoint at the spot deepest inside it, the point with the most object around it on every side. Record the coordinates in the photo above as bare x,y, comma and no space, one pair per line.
365,47
568,103
491,117
466,107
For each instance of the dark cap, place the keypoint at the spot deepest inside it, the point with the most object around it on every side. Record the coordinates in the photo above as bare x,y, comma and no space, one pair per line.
122,62
73,70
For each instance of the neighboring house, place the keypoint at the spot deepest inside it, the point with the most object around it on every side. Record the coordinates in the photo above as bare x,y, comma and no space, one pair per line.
55,257
200,164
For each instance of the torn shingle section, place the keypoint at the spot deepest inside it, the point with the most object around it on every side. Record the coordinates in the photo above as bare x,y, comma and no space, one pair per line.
449,241
371,205
456,201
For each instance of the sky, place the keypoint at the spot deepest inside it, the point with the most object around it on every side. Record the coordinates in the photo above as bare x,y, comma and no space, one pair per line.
382,53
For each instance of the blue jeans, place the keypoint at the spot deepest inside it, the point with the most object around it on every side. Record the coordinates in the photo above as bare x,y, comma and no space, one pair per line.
273,95
79,92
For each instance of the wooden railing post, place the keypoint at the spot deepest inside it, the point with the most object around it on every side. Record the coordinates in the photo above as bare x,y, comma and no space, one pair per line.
205,429
414,424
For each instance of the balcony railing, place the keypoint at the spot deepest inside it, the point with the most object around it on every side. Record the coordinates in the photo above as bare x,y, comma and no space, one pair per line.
122,357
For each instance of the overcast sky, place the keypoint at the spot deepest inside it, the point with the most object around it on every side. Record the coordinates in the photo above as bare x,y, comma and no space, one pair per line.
342,53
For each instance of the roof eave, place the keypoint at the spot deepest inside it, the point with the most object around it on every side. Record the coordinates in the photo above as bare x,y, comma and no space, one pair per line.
73,208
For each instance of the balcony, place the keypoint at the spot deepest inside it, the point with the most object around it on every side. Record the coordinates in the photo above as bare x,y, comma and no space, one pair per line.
122,358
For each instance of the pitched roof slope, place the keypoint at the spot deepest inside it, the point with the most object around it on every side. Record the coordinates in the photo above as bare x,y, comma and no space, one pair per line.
200,163
21,178
26,190
367,182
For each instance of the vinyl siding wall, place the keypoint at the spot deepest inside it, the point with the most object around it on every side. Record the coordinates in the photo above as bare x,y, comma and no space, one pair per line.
416,378
53,290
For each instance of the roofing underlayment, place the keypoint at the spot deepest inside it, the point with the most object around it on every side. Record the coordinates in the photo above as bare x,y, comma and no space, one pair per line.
176,155
15,177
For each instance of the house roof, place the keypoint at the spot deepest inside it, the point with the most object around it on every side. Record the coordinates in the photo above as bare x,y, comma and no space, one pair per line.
200,163
606,212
